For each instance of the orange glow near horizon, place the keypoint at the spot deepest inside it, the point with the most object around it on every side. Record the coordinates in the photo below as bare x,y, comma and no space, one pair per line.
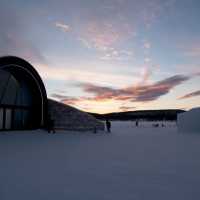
109,56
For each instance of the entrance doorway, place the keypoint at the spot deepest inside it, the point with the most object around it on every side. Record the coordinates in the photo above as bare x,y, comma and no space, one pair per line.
1,118
16,118
8,118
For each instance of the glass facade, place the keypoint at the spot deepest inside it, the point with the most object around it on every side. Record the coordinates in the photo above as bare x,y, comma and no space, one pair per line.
18,104
23,98
1,118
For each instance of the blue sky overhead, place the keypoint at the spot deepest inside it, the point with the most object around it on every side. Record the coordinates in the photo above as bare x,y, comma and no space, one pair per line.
109,55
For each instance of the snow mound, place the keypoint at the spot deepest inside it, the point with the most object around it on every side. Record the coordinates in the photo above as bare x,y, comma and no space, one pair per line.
189,121
70,118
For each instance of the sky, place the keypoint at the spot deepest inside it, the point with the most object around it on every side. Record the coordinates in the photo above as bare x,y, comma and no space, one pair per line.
109,55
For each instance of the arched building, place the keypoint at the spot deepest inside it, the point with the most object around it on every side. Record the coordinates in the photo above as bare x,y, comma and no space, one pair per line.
23,99
24,103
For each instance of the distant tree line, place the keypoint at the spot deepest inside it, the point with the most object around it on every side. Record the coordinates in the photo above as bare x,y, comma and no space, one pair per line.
148,115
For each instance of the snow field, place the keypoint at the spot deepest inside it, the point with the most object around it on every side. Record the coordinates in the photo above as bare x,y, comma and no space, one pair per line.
129,164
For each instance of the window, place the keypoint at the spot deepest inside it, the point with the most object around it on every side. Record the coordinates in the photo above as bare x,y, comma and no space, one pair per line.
8,119
1,118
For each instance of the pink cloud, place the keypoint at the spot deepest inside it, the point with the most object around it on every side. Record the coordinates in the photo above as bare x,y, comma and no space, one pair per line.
141,93
136,93
103,35
127,108
66,99
190,95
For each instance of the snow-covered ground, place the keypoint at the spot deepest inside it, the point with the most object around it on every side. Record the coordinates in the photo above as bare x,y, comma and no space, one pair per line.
143,163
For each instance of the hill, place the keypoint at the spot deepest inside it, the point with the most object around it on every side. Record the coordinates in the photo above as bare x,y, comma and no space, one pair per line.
153,115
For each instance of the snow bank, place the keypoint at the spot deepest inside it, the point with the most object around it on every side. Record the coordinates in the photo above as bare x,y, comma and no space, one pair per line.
189,121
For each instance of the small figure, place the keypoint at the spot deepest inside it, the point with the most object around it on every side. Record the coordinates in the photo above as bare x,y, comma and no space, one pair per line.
136,123
108,126
156,125
53,126
50,125
95,130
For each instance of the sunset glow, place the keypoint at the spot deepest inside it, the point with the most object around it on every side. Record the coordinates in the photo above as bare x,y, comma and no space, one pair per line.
109,56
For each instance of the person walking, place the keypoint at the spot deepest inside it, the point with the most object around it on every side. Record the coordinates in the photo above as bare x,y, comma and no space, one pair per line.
95,130
108,126
50,125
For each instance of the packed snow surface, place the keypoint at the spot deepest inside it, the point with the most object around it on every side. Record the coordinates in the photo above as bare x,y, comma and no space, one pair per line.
131,163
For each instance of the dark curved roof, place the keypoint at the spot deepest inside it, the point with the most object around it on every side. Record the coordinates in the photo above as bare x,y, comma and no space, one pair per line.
7,61
20,69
